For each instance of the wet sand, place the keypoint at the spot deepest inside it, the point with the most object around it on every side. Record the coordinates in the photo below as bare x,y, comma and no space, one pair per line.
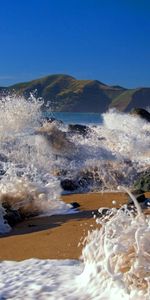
57,237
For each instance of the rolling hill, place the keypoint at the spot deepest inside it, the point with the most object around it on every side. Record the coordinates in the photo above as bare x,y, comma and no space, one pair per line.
65,93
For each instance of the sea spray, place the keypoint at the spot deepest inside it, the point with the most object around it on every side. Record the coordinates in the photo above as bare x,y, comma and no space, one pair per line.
18,115
117,257
110,154
27,182
36,153
113,153
129,134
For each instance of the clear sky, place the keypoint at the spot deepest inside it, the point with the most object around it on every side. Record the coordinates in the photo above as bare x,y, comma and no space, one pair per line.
107,40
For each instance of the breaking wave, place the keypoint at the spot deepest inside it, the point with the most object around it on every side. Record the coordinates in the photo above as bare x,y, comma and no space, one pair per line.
27,183
35,157
40,159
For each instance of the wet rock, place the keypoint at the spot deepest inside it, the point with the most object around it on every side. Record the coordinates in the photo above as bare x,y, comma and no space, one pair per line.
75,204
19,207
80,184
69,185
147,203
79,129
103,211
32,225
57,139
139,195
142,113
140,198
12,216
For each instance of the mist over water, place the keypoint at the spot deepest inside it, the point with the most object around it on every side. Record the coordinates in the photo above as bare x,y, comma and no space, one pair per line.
35,156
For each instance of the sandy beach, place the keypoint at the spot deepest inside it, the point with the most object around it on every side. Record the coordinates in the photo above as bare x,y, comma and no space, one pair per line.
58,236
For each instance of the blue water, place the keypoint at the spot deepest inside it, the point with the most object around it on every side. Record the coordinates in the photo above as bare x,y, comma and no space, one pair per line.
76,118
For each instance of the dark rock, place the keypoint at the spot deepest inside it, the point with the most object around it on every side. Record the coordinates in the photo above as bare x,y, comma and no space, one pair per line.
12,217
75,204
139,195
103,211
79,129
69,185
140,198
57,139
81,184
32,225
142,113
147,203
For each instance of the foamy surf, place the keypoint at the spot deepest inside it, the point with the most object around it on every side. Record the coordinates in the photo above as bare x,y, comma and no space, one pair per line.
27,183
115,263
36,156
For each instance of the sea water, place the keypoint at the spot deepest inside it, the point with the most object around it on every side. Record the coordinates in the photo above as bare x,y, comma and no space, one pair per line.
115,261
76,118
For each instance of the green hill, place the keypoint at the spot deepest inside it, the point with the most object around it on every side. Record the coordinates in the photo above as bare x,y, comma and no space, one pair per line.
66,93
132,98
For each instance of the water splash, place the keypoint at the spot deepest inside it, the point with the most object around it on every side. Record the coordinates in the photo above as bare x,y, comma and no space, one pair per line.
26,182
117,256
39,154
110,154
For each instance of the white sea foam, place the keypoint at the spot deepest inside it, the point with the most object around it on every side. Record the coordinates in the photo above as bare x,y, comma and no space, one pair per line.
18,116
130,135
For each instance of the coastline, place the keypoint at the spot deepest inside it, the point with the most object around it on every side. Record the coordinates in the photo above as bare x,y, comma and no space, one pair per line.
58,236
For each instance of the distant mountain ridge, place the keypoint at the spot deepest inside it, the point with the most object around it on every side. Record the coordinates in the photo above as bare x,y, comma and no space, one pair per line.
67,94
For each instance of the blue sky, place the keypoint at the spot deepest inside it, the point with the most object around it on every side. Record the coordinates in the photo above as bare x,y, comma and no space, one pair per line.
108,40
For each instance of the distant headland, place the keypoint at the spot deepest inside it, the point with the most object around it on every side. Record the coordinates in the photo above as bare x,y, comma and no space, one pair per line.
65,93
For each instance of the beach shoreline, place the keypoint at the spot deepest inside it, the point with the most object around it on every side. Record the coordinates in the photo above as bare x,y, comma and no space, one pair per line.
58,236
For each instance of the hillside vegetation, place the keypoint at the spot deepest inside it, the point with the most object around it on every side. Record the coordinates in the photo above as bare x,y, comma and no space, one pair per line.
66,93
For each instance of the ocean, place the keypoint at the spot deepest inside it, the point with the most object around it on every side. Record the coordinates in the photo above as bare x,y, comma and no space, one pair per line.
36,159
76,118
